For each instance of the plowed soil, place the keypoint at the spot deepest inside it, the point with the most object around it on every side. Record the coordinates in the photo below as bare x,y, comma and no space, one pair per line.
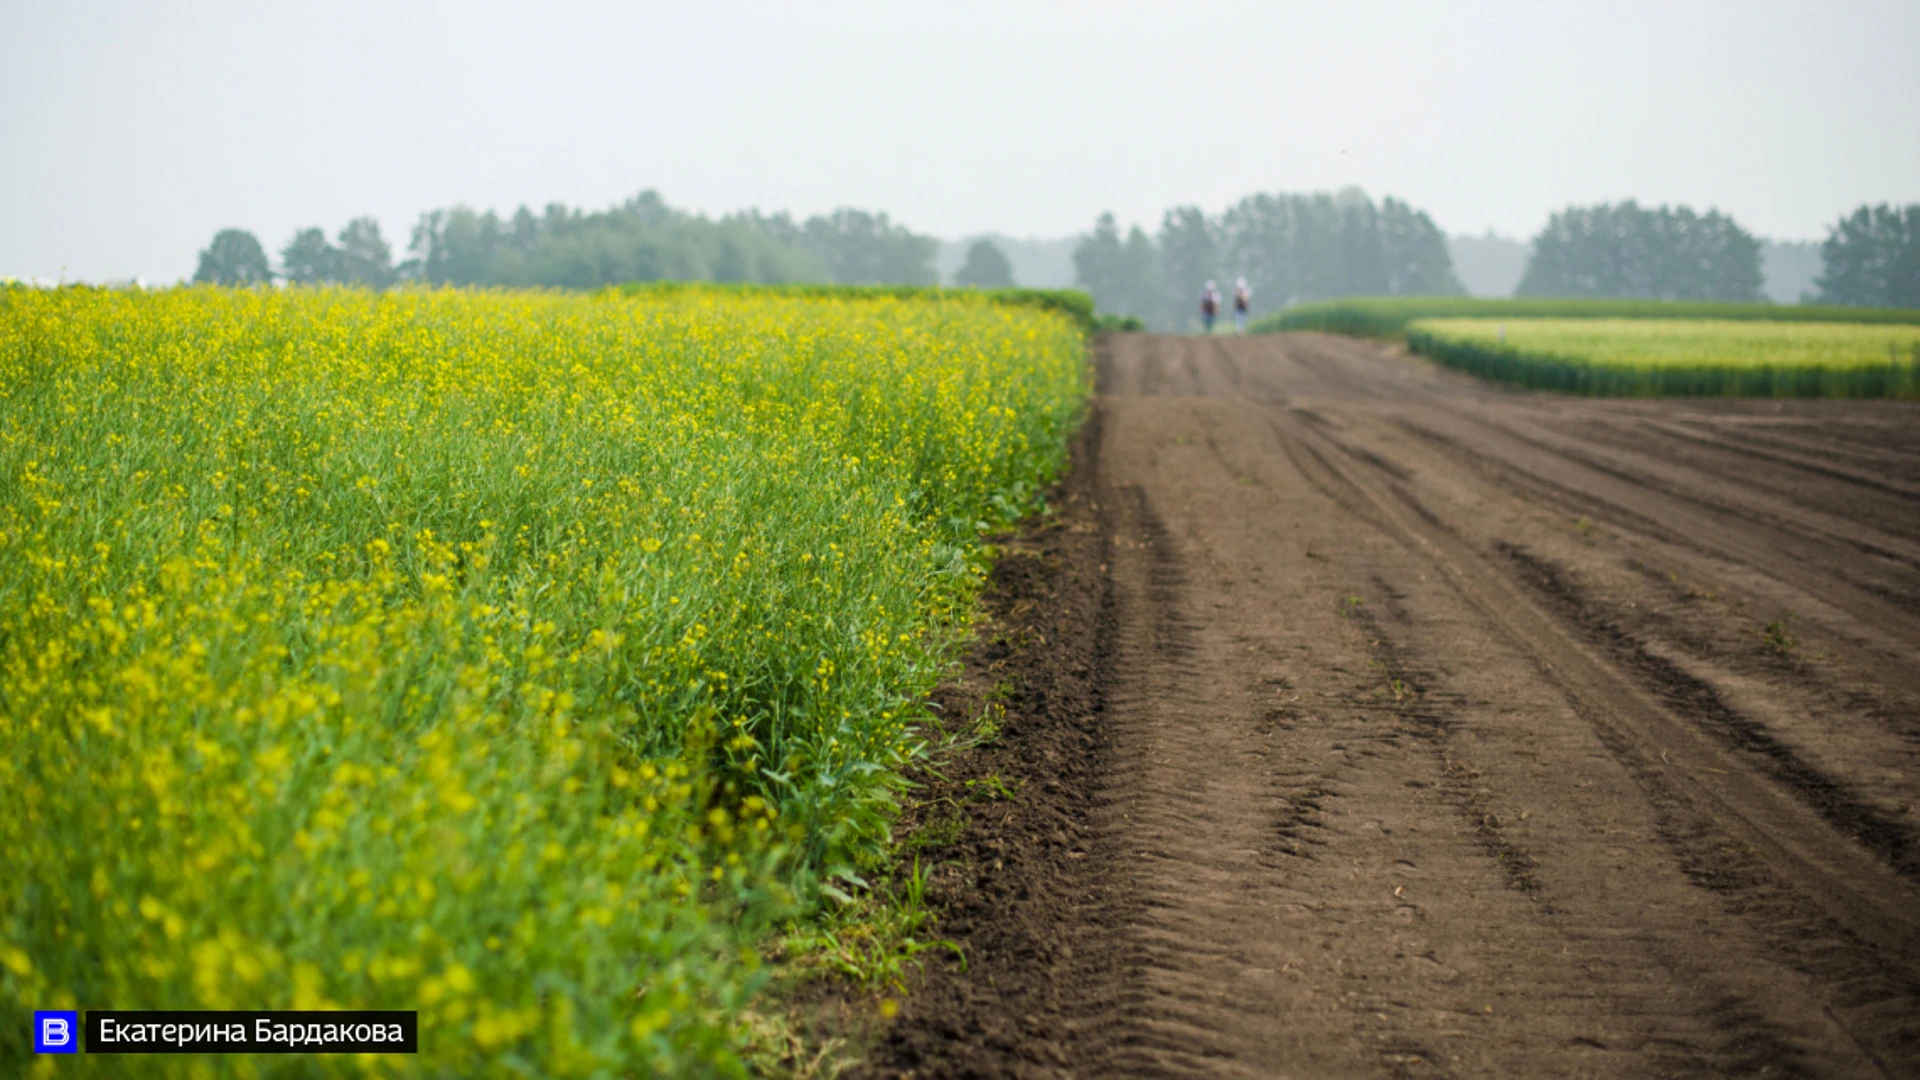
1361,719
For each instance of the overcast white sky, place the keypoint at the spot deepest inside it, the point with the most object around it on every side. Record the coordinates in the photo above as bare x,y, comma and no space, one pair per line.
130,132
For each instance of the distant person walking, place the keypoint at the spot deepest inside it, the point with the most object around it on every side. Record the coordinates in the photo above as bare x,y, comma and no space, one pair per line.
1209,305
1242,300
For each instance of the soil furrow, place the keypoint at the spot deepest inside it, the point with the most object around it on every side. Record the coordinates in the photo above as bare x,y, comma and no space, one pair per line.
1356,749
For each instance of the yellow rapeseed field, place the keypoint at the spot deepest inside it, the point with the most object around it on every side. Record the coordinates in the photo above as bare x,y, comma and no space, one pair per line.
511,657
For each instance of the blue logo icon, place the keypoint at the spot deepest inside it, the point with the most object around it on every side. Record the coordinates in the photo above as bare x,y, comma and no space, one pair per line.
56,1032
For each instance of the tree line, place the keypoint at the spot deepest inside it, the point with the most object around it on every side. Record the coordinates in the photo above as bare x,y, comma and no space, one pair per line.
642,239
1290,247
1870,258
1665,253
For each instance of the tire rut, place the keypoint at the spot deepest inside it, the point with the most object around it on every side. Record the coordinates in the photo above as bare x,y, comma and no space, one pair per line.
1383,769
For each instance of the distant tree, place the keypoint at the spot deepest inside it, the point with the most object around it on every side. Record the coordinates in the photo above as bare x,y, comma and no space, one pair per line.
1359,251
770,250
1297,247
1122,275
652,211
1669,253
428,248
1097,263
730,264
1034,262
308,259
860,248
1265,238
1189,248
985,268
457,246
1414,253
780,227
556,220
524,236
1871,258
1140,269
641,239
235,257
363,257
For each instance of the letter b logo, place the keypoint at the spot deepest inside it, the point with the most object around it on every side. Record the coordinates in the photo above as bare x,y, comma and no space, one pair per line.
56,1032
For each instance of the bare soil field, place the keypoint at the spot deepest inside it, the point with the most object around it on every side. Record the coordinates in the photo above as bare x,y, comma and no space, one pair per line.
1362,719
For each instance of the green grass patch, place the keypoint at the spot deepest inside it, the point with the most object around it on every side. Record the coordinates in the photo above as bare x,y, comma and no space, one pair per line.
1388,316
1680,357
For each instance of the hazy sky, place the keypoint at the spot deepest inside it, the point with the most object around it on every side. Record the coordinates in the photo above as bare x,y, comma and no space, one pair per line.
130,132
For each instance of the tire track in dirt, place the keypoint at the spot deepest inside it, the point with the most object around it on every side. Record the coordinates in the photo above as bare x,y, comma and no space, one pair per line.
1881,912
1425,738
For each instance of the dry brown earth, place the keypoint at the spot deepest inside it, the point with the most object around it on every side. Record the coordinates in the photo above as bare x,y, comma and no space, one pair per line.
1365,720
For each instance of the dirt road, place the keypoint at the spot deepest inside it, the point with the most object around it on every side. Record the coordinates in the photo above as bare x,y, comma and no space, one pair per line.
1364,720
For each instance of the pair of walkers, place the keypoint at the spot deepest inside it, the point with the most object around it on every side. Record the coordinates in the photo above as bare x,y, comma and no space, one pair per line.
1210,305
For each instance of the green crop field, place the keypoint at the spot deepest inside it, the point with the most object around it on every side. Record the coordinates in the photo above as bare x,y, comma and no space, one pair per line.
1388,316
517,658
1712,357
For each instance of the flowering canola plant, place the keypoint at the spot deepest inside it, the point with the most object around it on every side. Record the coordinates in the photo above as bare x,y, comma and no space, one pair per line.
510,657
